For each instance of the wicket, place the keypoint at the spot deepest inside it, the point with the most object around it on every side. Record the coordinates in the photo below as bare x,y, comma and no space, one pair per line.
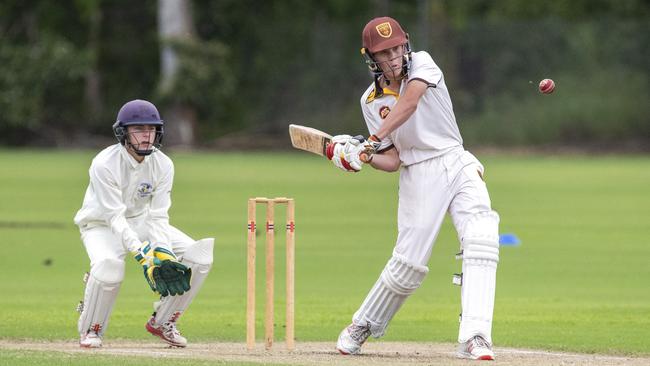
270,271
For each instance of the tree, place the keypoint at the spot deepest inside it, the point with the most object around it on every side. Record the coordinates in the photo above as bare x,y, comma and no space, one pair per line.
175,25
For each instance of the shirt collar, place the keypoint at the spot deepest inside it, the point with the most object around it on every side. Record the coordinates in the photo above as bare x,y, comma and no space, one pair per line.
385,91
130,159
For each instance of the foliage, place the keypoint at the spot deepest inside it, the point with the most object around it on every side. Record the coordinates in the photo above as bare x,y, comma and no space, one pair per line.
256,66
34,73
35,78
600,70
204,79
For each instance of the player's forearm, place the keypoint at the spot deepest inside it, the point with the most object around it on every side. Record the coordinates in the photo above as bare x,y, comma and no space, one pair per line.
122,230
159,232
404,108
159,211
388,161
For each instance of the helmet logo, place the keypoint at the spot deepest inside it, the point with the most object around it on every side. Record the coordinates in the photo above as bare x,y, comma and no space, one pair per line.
384,29
383,112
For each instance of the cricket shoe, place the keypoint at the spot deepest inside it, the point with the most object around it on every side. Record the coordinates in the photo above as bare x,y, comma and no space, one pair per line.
352,338
90,340
476,348
167,332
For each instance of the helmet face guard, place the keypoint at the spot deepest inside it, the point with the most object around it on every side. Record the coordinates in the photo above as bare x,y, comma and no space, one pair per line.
138,113
122,135
374,67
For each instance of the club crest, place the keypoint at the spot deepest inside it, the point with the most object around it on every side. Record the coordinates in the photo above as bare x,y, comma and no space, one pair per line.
383,112
384,29
145,189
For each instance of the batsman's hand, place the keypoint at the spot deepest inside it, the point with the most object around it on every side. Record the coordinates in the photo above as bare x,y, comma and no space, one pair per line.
344,152
370,146
174,274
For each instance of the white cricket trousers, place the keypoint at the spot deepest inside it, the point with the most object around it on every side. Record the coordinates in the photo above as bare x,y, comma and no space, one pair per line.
427,191
101,243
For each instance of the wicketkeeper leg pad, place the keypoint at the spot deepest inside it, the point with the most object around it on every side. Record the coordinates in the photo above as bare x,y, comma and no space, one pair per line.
480,254
397,282
102,287
198,257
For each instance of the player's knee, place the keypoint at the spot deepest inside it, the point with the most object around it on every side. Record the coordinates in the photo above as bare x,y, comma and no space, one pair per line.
403,277
109,270
200,253
480,239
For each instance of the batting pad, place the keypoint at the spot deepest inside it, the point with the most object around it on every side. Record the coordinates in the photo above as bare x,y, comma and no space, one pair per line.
199,258
101,291
480,257
398,280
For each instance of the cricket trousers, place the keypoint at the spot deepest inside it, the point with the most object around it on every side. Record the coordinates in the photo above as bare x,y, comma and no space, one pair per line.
451,183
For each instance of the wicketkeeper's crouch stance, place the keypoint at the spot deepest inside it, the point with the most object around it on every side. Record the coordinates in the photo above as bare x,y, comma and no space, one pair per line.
125,210
409,113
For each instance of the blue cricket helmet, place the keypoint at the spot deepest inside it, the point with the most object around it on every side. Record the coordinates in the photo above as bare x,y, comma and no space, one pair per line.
138,112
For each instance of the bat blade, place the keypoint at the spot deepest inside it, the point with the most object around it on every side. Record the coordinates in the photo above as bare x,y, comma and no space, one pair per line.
309,139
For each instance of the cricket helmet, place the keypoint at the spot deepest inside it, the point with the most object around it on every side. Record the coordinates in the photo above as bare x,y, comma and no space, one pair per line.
380,34
138,112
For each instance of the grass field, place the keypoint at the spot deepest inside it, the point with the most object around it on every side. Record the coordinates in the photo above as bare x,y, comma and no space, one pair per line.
578,282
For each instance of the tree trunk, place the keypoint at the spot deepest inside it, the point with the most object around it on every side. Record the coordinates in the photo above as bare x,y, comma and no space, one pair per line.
175,24
92,90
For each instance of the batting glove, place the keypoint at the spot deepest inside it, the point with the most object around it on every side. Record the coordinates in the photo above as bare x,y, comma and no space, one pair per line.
344,152
370,147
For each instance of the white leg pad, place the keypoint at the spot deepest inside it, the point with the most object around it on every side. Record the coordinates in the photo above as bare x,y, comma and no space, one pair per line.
398,280
199,258
480,244
102,288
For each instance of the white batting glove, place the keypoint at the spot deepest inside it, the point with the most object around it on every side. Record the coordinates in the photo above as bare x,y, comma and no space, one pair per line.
344,152
342,139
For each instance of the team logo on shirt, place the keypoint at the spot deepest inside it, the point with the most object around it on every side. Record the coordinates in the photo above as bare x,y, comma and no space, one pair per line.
384,30
383,112
145,189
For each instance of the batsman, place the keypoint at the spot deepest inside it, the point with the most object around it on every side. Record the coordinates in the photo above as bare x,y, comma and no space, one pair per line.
125,214
409,115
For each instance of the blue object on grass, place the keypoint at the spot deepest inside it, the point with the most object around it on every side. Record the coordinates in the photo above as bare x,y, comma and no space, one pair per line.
509,239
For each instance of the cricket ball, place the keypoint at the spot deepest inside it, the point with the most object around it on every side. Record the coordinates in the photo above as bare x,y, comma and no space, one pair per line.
546,86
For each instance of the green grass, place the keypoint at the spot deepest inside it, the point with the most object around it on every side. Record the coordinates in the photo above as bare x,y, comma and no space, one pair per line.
31,358
578,281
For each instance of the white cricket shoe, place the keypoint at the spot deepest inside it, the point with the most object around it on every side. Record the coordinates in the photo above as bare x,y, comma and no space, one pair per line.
167,332
90,340
476,348
352,338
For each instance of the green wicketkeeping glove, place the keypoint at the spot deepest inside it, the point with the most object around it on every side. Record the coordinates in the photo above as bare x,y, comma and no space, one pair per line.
174,274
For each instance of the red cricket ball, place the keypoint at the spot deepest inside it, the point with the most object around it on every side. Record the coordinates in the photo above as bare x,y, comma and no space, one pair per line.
546,86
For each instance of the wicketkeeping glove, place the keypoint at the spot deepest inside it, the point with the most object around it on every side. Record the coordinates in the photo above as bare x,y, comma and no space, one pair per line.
174,274
344,151
150,266
163,272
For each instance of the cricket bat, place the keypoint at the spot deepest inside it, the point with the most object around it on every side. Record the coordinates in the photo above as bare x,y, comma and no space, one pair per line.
309,139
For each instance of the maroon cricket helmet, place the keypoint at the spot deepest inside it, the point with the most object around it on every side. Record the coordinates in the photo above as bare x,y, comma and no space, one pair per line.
383,33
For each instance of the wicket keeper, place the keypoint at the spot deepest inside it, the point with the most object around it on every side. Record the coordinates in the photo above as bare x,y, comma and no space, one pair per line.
125,213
